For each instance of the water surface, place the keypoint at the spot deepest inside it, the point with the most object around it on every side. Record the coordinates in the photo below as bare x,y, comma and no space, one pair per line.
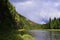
45,35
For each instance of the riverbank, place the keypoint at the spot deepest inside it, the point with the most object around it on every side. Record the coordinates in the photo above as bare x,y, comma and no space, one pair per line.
25,34
48,29
45,35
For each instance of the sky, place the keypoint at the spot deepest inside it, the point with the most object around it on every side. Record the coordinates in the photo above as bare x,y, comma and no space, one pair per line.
38,11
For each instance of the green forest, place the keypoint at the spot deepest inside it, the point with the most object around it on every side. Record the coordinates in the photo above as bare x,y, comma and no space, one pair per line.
52,24
14,26
11,23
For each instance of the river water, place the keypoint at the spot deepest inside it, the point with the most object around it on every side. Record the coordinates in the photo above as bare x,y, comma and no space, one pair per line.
45,35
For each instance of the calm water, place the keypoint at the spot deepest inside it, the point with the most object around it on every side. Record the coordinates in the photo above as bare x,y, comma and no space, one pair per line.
45,35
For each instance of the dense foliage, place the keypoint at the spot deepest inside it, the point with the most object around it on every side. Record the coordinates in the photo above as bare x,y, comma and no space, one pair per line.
8,22
53,24
6,18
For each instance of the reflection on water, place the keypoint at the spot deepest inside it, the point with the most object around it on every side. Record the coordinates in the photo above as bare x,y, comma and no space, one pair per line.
55,35
45,35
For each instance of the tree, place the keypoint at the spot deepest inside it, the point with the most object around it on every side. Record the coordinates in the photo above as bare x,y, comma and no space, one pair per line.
7,22
54,18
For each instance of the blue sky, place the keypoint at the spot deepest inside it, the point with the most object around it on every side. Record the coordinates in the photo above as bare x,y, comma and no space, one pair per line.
38,11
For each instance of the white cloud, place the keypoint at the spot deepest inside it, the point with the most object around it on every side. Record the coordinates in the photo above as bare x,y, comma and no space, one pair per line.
49,14
37,10
56,4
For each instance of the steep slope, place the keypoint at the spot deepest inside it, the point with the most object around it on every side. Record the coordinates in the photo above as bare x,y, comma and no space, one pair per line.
28,24
8,23
6,18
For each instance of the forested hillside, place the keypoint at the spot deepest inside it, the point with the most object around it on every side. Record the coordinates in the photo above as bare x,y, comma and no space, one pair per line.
8,22
53,24
27,24
11,22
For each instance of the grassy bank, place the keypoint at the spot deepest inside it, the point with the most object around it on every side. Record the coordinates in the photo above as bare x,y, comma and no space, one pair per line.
25,35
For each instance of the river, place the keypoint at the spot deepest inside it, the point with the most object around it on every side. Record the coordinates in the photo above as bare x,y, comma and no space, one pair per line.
45,35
